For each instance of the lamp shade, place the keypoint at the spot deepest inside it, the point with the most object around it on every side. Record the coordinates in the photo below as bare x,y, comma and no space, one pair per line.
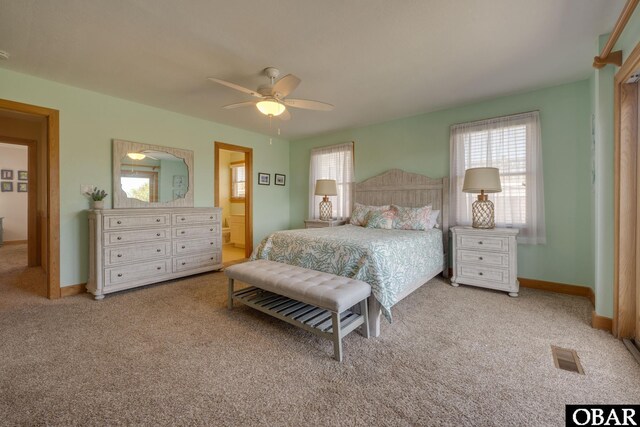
326,187
477,180
270,107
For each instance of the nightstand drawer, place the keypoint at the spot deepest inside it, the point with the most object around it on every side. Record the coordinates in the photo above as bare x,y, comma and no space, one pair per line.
477,272
488,243
492,259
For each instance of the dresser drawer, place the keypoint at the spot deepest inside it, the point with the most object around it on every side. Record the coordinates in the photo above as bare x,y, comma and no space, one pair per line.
492,259
488,243
478,272
195,218
132,253
120,222
136,236
131,273
207,231
182,247
194,262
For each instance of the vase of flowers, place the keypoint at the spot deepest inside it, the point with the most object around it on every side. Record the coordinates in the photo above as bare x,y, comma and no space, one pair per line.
97,198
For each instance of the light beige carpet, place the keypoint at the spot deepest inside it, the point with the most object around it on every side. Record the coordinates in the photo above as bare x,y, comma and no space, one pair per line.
172,354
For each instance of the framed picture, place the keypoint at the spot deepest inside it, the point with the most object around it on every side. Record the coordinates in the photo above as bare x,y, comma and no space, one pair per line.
264,178
279,179
22,187
23,176
6,186
6,174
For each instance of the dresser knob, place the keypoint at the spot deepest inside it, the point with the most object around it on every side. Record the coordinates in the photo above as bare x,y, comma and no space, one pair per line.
119,222
157,219
181,219
183,247
158,234
183,263
119,255
158,268
119,238
119,274
211,229
480,258
212,258
481,273
210,217
182,232
480,242
158,250
211,243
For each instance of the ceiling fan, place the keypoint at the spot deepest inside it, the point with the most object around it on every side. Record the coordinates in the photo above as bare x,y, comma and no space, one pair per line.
272,98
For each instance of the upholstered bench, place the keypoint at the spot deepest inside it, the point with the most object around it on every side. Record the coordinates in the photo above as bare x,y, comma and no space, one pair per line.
315,301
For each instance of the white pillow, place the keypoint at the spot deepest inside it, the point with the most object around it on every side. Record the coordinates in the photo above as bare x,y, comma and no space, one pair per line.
433,219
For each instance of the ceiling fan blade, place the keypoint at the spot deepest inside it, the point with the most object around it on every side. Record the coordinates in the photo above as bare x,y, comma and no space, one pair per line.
286,85
286,115
236,87
239,104
308,104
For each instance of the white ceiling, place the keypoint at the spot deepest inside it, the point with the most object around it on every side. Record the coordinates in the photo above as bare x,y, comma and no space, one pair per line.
375,60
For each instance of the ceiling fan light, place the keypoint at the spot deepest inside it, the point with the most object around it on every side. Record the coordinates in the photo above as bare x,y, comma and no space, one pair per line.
136,156
270,107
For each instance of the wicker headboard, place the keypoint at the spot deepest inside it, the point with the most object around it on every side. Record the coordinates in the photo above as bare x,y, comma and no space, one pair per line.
402,188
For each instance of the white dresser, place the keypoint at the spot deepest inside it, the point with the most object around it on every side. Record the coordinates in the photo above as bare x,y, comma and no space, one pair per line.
486,258
136,247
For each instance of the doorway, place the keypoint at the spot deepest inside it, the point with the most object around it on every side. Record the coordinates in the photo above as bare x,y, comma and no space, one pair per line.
626,322
42,187
233,193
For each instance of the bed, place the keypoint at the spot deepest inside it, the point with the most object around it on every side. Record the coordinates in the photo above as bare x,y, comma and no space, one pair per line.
394,262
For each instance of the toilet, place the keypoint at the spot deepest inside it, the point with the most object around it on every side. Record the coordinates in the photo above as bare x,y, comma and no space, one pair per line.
226,235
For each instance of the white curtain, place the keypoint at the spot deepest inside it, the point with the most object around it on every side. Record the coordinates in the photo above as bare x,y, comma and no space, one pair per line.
332,162
511,144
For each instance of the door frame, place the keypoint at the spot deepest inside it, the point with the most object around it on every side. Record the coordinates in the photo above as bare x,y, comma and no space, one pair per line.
248,201
625,297
33,252
52,168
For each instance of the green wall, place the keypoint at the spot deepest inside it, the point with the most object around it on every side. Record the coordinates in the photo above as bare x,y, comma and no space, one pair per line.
421,144
88,123
602,84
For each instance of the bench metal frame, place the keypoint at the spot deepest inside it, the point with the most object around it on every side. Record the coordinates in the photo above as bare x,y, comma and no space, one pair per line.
317,320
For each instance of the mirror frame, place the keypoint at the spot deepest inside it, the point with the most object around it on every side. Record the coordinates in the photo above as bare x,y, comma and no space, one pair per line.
120,199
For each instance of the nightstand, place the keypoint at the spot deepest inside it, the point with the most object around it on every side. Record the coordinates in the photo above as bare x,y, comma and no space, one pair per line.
317,223
486,258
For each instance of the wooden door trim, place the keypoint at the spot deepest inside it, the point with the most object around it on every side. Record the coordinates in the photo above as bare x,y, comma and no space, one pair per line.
623,318
53,189
248,202
33,258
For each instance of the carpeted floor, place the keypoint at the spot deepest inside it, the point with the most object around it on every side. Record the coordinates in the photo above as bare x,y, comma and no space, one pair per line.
172,354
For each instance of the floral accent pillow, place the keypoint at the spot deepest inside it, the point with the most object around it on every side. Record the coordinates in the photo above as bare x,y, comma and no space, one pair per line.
359,214
412,218
380,219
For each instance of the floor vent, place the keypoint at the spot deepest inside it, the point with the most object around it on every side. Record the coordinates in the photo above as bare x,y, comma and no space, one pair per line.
566,359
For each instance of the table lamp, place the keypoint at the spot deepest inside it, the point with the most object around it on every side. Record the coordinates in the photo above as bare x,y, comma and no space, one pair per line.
482,180
326,188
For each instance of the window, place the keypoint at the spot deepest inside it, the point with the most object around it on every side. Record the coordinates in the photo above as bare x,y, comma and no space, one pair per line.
238,182
140,185
511,144
332,162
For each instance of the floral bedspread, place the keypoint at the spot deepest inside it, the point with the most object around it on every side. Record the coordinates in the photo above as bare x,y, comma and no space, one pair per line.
388,260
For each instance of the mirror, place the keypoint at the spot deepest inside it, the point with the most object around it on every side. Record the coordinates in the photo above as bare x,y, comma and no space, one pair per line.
151,176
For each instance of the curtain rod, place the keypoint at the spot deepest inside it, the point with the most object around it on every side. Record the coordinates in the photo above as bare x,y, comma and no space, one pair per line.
606,56
495,118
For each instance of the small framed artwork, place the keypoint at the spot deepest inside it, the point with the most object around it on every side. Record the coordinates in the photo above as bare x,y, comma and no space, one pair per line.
6,174
279,179
22,187
23,176
6,186
264,178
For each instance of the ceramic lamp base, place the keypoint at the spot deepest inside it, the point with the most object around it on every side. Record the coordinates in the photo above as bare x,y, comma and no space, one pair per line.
326,210
483,214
